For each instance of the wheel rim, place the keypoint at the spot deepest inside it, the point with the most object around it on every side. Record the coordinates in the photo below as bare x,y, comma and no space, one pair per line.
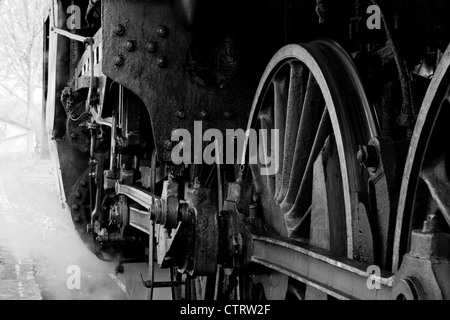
81,209
425,179
344,112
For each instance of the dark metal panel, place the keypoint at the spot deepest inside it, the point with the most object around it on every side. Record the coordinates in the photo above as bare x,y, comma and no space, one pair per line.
147,50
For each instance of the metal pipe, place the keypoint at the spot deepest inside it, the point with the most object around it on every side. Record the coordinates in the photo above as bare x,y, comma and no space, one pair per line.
91,82
69,35
112,162
120,106
151,267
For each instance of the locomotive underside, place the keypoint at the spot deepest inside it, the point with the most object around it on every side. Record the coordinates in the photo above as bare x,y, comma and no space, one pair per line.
359,207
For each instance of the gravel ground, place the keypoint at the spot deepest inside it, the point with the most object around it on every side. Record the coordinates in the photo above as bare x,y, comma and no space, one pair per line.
40,250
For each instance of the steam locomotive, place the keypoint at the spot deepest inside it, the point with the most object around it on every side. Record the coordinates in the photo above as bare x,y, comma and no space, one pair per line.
357,92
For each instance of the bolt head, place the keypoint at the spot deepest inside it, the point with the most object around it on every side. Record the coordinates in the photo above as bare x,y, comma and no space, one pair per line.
181,114
119,30
130,46
228,115
162,31
118,60
367,156
168,145
431,224
204,115
162,62
152,47
361,156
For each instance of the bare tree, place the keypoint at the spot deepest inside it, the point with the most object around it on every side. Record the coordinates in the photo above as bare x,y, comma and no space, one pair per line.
21,50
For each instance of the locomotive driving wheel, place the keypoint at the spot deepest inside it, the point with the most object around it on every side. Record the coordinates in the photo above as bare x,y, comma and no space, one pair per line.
422,255
312,95
81,208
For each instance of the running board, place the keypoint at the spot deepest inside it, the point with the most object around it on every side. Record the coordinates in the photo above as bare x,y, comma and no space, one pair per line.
338,277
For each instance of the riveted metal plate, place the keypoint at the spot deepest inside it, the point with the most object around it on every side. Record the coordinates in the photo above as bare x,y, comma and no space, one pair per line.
166,88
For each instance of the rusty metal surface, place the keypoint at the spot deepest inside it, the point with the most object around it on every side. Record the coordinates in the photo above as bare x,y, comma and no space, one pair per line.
425,269
204,240
159,78
74,104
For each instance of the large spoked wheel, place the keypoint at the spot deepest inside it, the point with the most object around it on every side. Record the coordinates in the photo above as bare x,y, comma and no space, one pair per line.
313,96
424,203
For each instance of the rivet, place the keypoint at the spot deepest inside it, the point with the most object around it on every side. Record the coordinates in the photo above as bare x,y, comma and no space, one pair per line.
181,114
76,207
119,30
152,47
77,219
118,60
361,155
130,46
204,114
169,145
162,62
228,115
162,31
74,135
78,194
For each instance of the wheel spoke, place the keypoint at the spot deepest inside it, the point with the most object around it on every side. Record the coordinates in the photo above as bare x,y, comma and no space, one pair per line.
313,107
266,123
151,267
297,92
281,91
321,112
303,198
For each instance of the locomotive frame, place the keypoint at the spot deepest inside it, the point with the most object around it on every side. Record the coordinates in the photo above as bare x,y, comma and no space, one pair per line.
358,209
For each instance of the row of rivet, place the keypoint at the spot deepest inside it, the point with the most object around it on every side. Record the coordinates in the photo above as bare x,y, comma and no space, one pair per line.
152,47
162,62
162,31
181,114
